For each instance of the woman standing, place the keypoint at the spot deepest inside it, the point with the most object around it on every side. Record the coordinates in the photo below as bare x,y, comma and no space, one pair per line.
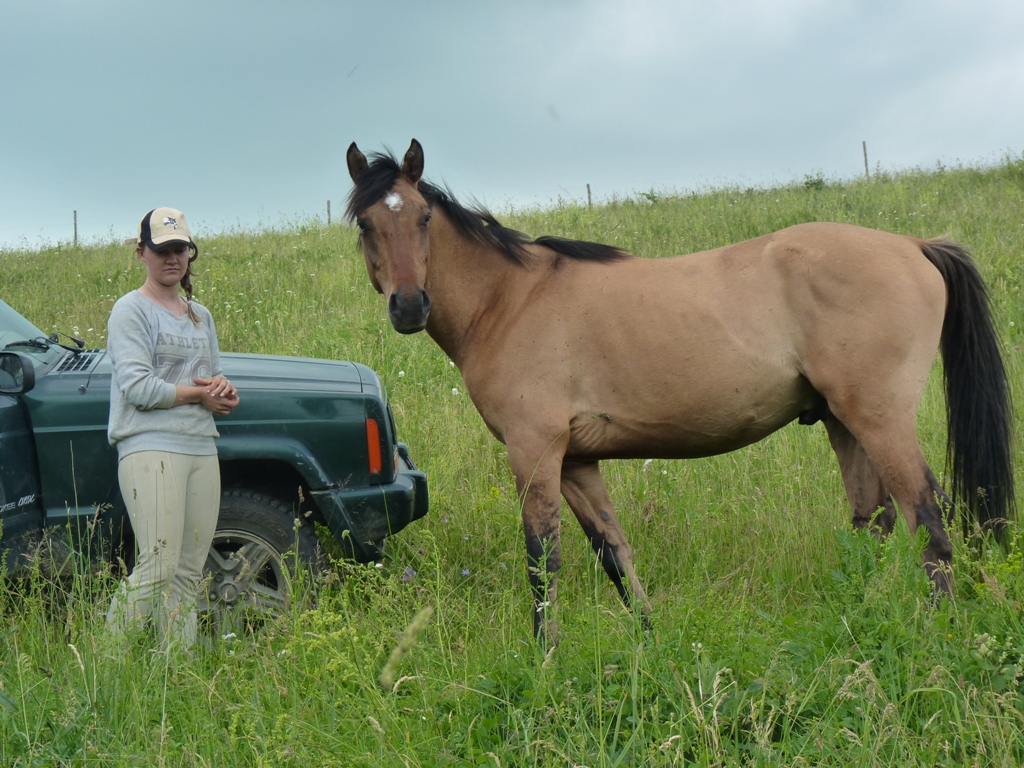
166,387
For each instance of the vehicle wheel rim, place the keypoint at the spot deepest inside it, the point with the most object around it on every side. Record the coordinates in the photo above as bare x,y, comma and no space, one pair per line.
248,581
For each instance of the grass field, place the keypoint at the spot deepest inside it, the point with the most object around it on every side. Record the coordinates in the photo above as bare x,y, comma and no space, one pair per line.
780,636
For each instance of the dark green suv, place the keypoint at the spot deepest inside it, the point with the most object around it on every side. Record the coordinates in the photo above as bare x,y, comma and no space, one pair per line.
313,441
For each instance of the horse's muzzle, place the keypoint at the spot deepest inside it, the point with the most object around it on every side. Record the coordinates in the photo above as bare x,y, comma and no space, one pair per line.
409,310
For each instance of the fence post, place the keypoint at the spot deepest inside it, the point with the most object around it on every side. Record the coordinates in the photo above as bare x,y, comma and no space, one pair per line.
864,145
76,228
328,213
589,204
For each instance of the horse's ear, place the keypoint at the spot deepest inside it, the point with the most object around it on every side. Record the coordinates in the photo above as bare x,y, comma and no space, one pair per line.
412,164
356,162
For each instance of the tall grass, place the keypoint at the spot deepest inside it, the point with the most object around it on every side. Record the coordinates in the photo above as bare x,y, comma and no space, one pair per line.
780,636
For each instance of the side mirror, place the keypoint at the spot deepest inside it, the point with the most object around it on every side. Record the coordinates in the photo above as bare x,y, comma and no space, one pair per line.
17,374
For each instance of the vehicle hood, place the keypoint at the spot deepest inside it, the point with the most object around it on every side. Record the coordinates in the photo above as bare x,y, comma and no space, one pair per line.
276,373
303,374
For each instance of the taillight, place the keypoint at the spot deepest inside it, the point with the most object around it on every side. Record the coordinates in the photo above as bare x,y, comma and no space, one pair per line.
373,446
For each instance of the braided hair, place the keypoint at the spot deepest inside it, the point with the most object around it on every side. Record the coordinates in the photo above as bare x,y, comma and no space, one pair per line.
186,283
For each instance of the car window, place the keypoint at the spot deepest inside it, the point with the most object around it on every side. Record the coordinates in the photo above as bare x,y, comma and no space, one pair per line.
14,327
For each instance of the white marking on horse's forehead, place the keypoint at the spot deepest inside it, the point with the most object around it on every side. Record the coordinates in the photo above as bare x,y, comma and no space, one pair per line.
394,201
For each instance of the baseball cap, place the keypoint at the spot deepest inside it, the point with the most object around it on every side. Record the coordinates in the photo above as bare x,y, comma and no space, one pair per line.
163,226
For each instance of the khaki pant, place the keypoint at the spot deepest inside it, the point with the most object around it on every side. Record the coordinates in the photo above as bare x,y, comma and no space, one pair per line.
172,500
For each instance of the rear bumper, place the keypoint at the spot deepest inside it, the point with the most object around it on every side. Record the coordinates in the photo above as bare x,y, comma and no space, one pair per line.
362,518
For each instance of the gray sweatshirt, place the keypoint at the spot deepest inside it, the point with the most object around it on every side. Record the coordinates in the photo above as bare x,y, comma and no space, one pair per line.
152,351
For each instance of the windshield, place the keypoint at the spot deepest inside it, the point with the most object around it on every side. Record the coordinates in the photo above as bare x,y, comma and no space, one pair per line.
14,327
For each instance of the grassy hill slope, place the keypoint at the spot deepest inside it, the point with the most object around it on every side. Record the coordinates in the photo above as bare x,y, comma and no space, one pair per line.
780,637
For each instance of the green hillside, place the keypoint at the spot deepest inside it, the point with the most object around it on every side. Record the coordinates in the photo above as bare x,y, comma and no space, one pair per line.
780,636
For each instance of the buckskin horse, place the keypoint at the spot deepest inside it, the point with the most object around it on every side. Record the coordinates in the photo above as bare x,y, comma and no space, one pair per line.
574,352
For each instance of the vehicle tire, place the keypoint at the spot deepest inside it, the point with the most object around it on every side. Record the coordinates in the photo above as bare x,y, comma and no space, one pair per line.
252,561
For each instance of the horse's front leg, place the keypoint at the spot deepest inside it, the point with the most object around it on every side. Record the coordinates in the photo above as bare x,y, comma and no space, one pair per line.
585,491
537,479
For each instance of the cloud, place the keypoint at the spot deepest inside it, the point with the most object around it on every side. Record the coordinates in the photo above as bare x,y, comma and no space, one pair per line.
655,38
518,103
975,109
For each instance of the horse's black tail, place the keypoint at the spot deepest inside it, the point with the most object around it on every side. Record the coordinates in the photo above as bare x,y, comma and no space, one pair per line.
978,410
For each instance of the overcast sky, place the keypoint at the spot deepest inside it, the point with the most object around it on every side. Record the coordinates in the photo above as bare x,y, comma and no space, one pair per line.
239,113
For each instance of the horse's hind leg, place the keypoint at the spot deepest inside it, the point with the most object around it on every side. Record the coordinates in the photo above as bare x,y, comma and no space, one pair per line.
864,487
584,489
893,450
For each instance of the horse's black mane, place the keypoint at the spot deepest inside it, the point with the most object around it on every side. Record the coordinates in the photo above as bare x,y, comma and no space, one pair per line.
476,222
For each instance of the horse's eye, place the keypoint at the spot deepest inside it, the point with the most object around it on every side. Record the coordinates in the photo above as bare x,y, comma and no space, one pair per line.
426,220
364,227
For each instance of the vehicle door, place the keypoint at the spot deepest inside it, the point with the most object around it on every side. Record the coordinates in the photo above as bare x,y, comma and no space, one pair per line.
21,509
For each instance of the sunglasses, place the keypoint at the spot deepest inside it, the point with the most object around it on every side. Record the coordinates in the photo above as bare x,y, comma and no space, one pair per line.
177,250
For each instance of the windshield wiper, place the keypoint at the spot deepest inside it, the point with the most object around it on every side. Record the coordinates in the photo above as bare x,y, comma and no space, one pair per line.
44,342
39,342
79,344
